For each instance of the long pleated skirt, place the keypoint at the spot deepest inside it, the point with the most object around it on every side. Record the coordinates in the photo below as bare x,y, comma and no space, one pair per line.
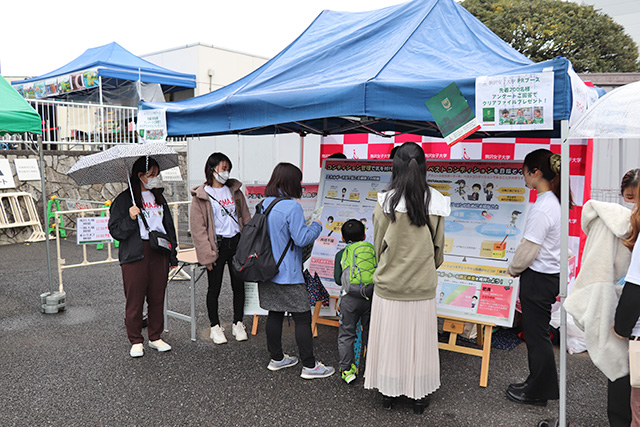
402,355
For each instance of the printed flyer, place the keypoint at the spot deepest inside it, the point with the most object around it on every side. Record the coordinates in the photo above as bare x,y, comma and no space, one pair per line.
513,103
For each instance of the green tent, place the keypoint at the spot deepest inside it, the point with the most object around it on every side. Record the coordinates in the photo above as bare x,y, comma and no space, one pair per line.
16,115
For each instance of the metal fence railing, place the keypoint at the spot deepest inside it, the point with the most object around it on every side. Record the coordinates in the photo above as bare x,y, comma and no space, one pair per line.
80,126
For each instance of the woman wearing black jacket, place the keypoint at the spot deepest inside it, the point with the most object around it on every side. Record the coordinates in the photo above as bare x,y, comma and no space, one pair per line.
144,271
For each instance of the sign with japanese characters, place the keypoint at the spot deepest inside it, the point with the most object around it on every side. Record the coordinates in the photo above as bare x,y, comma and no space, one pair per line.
255,194
514,103
152,125
27,169
6,176
93,230
489,202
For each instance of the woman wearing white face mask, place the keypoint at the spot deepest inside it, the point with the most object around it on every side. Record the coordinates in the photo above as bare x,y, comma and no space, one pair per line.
218,213
144,270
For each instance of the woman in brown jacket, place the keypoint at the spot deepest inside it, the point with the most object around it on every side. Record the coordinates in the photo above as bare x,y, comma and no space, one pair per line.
218,213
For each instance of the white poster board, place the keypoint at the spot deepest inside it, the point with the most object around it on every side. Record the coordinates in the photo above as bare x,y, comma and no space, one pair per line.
93,230
27,169
171,175
489,203
6,176
481,234
252,301
515,103
152,125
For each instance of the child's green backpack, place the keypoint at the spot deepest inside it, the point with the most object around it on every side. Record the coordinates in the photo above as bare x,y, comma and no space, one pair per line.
358,264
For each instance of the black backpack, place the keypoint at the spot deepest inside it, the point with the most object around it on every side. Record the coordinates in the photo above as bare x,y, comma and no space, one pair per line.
254,260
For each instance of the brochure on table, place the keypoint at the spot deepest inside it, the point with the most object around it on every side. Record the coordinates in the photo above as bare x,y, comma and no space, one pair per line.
489,203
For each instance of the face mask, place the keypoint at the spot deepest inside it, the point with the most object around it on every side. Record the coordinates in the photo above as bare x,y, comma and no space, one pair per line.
152,183
222,177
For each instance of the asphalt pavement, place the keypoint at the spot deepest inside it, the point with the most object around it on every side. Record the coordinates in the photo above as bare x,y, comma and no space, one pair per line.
73,368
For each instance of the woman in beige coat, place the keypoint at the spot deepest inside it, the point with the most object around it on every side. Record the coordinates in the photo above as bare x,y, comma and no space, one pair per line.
218,213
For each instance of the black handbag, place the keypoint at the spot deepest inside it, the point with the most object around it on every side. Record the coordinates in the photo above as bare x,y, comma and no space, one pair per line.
158,241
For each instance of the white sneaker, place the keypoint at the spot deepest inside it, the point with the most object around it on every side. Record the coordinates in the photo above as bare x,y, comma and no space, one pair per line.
319,371
217,335
159,345
239,331
137,350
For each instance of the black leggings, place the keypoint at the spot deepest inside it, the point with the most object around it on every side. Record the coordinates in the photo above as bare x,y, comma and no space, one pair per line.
226,250
304,337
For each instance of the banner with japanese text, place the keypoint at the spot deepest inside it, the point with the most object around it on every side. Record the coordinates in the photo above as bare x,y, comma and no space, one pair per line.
514,103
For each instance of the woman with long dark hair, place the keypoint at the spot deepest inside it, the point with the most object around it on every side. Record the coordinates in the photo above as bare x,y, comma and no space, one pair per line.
537,262
218,213
402,356
144,270
286,292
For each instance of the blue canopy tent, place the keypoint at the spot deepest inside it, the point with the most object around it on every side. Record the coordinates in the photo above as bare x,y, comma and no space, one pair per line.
364,72
373,72
107,67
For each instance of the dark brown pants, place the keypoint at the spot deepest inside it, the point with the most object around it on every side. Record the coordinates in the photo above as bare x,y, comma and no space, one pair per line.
142,279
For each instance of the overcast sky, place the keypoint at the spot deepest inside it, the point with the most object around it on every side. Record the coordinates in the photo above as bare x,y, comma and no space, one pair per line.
39,36
45,35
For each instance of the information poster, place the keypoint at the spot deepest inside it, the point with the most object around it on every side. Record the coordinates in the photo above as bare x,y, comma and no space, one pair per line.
349,189
152,125
308,201
6,176
517,102
27,169
93,230
489,203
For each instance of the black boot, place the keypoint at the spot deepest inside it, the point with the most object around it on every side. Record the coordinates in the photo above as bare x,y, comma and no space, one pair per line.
387,402
419,405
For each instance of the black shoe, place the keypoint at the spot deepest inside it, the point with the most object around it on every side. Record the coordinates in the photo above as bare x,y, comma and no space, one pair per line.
387,402
520,396
518,386
419,405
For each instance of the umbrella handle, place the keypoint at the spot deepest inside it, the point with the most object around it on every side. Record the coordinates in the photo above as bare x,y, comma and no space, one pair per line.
131,190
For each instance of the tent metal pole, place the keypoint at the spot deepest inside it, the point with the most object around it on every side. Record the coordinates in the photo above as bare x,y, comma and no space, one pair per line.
302,154
102,124
564,267
44,210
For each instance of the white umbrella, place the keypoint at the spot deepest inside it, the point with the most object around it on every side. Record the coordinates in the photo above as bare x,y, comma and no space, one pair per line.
114,164
615,115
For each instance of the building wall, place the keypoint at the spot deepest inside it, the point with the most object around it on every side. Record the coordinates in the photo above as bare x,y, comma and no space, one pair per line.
226,66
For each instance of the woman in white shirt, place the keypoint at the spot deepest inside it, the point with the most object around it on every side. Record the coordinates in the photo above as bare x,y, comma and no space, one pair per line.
537,262
218,213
